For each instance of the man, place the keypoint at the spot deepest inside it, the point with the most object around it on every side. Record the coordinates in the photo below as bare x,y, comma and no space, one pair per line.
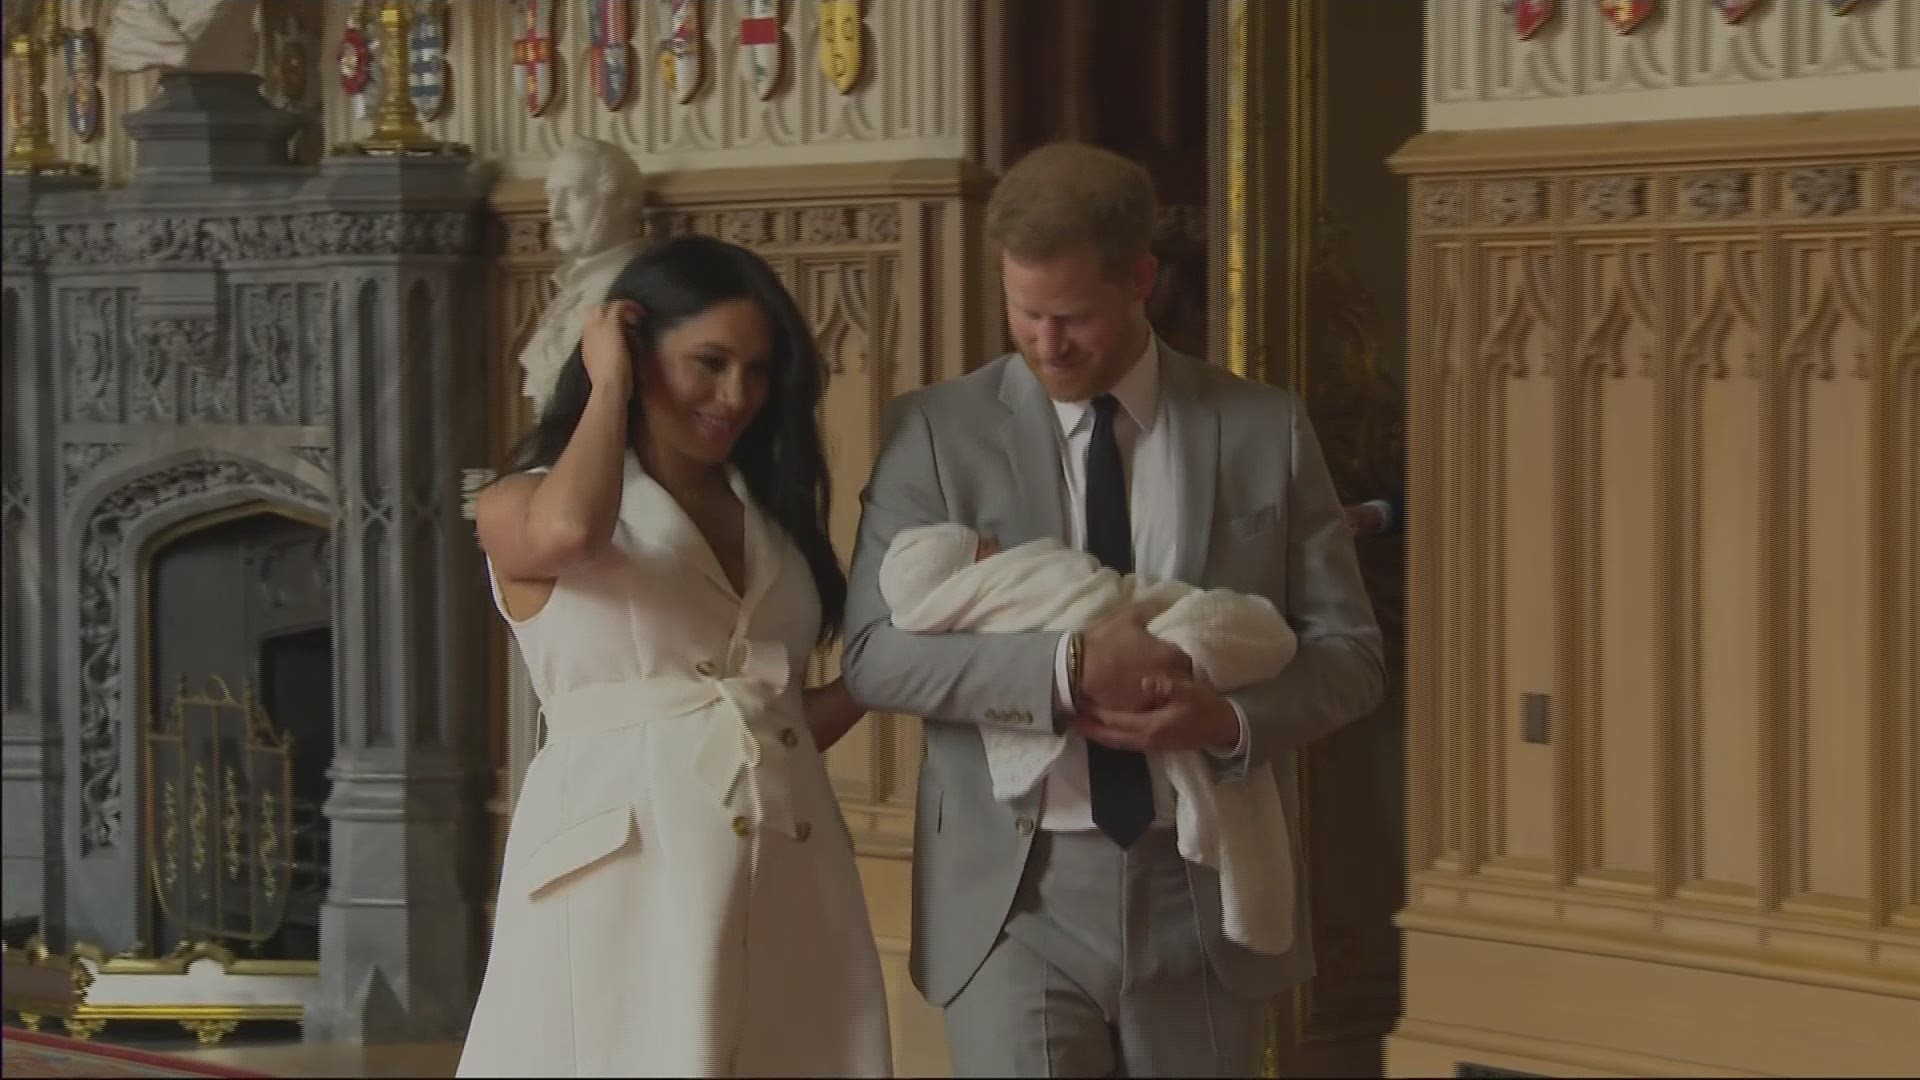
1062,933
594,198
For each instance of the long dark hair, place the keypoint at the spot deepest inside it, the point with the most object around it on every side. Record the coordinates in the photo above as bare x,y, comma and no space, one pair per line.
779,455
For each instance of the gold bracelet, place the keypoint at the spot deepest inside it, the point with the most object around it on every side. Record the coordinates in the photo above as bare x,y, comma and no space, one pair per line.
1075,656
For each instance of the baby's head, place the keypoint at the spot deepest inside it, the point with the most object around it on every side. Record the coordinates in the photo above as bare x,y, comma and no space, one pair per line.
923,558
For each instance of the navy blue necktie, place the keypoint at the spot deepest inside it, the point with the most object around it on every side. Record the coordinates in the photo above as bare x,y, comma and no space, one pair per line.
1119,783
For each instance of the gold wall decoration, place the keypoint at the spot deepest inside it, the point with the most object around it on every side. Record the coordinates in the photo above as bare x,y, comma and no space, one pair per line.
1665,453
33,32
396,129
843,43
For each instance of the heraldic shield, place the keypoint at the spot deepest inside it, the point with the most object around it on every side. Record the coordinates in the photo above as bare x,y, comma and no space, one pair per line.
842,43
219,794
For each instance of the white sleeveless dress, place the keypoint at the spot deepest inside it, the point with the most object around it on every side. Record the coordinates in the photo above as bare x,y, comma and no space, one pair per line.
679,896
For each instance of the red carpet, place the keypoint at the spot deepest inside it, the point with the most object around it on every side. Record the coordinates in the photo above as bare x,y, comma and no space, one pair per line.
37,1054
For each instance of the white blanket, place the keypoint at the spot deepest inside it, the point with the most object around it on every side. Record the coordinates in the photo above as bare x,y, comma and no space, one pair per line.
933,583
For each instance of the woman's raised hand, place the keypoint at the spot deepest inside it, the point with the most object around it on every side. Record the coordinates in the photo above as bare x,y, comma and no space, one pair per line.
603,344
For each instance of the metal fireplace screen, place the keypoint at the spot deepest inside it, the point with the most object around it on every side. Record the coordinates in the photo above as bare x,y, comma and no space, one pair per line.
219,794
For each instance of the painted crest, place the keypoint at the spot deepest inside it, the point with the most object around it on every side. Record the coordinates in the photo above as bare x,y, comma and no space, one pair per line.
843,35
1732,11
80,50
610,56
762,46
683,53
1626,15
533,54
1529,16
356,69
427,70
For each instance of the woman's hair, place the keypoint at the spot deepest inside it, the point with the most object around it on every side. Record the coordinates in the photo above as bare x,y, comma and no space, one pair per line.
779,455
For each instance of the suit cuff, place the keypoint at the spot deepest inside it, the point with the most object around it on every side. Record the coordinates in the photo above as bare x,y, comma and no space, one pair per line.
1233,763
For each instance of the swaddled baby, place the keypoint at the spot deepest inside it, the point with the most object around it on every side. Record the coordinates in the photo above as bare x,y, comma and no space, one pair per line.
949,579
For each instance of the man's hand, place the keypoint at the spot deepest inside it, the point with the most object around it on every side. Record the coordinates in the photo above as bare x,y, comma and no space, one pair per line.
1119,659
1183,715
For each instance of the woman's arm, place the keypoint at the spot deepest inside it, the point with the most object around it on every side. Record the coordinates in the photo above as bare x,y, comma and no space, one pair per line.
831,713
535,527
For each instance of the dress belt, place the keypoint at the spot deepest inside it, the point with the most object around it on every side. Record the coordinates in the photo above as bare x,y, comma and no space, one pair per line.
741,690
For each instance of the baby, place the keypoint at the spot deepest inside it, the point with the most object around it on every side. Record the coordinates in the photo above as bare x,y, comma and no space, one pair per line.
949,579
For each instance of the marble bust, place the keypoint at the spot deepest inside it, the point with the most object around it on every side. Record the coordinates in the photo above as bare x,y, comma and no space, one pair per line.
181,35
594,196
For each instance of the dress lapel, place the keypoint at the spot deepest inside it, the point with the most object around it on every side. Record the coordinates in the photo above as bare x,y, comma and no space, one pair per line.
1029,434
763,551
655,513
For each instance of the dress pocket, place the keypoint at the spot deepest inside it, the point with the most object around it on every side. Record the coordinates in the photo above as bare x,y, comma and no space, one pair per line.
578,847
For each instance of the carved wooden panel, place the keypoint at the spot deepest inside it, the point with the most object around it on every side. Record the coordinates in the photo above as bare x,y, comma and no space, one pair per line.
1717,753
1612,710
1674,489
1520,353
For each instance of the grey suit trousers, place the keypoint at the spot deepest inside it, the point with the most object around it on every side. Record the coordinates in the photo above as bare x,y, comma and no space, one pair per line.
1101,970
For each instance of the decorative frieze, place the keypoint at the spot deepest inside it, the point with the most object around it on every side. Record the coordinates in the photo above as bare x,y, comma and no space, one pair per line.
1717,195
1611,199
1710,481
168,241
1822,191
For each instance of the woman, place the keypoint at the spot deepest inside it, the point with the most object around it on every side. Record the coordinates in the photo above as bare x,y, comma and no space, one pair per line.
679,894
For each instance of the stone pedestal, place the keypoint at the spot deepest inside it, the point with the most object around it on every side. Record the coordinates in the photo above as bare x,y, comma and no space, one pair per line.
31,882
207,127
400,934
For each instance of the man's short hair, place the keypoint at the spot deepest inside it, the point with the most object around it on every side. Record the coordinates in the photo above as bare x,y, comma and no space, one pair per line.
1067,196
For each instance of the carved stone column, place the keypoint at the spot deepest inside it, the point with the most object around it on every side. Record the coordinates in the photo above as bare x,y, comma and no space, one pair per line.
400,931
31,882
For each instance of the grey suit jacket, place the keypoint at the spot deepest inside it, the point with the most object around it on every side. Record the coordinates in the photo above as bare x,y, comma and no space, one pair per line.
1258,514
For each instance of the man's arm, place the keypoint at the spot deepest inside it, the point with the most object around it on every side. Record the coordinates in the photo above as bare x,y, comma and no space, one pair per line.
1338,674
995,680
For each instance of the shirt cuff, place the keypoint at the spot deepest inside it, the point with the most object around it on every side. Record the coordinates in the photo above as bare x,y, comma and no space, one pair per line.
1062,680
1239,750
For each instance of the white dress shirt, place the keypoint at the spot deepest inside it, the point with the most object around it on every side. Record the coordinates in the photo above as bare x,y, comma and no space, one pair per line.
1149,456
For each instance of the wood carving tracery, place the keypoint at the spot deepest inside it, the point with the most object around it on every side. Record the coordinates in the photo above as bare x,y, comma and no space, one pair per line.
1769,516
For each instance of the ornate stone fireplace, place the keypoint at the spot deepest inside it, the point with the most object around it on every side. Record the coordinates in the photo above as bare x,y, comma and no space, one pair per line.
238,396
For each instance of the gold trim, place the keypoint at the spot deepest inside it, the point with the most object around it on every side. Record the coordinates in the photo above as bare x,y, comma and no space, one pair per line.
31,39
1236,341
397,130
177,962
1273,57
